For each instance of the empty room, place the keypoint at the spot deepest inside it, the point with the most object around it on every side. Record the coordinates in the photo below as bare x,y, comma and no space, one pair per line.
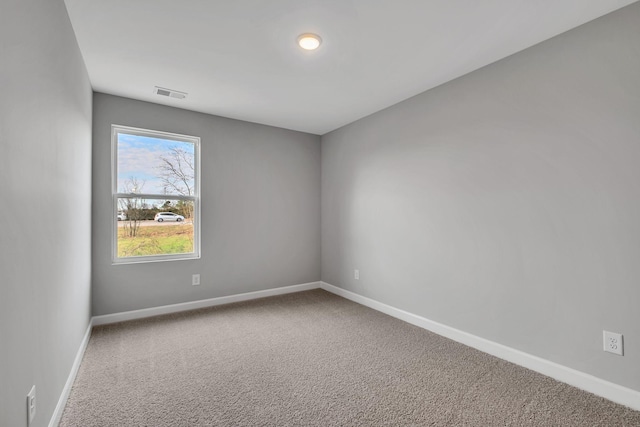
319,213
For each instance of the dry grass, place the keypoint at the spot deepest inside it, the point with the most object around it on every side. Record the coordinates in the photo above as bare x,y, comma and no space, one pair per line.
156,240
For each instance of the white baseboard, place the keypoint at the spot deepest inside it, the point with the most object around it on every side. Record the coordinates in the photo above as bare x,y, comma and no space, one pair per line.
595,385
62,401
192,305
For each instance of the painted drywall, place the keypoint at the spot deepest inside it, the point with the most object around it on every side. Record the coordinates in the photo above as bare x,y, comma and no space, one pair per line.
505,203
45,188
260,202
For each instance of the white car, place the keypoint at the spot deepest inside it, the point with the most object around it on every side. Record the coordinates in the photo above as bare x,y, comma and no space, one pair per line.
168,216
122,216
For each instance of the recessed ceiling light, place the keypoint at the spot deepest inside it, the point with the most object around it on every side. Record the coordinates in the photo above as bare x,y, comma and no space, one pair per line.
309,41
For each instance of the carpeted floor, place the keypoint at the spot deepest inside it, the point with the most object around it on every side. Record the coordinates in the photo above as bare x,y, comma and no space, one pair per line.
310,359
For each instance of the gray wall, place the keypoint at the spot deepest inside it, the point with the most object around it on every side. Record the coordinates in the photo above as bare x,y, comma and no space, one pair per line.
45,188
260,203
505,203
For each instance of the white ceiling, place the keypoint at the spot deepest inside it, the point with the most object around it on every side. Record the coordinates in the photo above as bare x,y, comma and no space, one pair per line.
239,59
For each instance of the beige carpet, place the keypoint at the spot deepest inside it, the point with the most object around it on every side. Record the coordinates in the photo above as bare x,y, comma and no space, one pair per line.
310,359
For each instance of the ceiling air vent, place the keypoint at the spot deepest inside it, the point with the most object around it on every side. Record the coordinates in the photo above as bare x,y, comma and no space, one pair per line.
170,93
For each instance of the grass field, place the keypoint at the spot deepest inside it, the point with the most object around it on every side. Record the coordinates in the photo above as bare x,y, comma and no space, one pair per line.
160,240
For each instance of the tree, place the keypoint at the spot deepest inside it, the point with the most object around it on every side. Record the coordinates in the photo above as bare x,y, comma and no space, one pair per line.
184,208
177,174
132,206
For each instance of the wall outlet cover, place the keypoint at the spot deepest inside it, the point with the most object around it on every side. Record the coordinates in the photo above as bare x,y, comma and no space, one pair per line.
613,343
31,405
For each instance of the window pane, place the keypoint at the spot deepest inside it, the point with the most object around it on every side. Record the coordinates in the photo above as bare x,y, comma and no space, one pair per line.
155,166
155,188
155,227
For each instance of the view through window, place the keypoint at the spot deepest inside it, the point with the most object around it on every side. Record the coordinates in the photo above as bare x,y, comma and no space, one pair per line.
155,195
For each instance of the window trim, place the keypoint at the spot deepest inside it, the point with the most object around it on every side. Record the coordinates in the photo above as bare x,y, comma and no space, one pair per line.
115,130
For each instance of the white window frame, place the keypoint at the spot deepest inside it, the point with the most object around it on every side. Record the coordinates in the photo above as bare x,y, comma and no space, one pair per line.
195,198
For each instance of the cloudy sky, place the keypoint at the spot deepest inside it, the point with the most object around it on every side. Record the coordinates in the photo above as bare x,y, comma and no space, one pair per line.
139,158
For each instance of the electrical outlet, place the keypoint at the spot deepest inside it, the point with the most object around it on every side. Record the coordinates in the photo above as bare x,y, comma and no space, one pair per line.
195,279
356,274
31,405
613,343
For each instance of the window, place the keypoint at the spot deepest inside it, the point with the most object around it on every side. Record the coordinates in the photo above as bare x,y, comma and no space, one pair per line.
156,195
